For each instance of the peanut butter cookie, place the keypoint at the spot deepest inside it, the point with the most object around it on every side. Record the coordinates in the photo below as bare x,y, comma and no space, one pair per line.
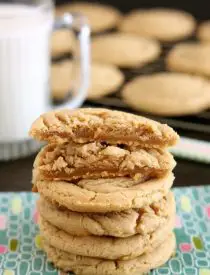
100,17
105,195
191,58
143,221
168,94
105,247
114,127
163,24
124,50
94,266
203,32
62,42
104,80
70,161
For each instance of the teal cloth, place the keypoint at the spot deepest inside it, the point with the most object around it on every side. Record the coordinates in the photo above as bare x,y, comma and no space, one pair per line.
20,251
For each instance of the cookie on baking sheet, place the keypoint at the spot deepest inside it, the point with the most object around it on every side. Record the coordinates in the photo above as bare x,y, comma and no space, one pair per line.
143,221
70,161
162,24
95,266
168,94
104,80
203,32
61,79
106,247
97,124
62,42
100,17
105,195
190,58
124,50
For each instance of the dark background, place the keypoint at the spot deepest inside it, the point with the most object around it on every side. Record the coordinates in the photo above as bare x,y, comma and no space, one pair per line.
199,8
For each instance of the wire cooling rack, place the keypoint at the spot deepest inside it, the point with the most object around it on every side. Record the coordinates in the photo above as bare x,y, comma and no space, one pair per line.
199,123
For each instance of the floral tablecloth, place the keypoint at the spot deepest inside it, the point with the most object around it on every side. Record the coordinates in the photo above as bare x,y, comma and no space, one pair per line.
20,241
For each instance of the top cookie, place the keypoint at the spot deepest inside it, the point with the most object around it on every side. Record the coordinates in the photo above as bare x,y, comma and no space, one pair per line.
124,50
93,124
100,17
162,24
190,58
203,32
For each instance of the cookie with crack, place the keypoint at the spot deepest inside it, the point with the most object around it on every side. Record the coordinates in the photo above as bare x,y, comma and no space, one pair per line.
166,25
94,266
62,42
100,17
105,247
95,124
203,32
143,221
104,80
167,94
124,50
71,161
105,195
191,58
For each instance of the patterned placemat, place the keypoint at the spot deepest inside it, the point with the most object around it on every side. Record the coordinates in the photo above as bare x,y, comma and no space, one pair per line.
20,251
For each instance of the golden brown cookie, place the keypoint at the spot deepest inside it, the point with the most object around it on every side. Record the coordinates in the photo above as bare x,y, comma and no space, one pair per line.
100,17
158,23
105,247
70,161
167,94
104,80
190,58
62,42
61,79
203,32
124,50
143,221
92,124
105,195
93,266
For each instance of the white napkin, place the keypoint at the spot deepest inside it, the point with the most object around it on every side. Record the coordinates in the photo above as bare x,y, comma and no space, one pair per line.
192,149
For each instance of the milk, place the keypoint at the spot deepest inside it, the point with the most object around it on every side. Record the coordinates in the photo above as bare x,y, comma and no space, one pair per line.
24,68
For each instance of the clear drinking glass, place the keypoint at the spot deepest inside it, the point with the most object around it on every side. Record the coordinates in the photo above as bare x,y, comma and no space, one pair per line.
25,33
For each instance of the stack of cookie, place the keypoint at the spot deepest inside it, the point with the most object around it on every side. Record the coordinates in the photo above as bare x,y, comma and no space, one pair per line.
104,181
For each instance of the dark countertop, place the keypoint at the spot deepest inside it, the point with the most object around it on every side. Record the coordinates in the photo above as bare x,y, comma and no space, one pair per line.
16,175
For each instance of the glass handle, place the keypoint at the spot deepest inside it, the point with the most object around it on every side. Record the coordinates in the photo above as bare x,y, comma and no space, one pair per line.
81,64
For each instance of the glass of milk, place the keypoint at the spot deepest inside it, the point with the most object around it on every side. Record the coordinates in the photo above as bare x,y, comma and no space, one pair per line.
25,33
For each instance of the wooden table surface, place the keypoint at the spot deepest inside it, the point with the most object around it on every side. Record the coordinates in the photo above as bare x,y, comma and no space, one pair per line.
16,175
